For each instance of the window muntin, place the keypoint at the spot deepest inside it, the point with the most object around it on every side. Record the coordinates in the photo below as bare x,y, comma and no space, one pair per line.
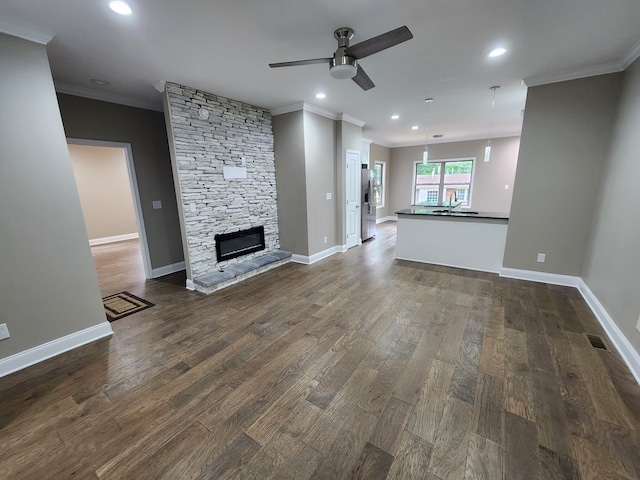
432,187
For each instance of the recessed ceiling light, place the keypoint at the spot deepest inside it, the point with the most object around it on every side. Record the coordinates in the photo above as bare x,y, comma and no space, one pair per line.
120,7
496,52
97,81
395,117
415,127
321,95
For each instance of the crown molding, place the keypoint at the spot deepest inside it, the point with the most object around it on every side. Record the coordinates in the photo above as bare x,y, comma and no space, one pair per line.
306,107
469,138
348,118
574,74
26,34
107,97
632,55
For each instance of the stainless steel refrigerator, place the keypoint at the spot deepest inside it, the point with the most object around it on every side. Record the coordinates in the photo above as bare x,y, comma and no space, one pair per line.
368,203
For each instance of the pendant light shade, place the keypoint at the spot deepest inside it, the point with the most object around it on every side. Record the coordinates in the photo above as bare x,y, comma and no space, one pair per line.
487,151
487,148
425,153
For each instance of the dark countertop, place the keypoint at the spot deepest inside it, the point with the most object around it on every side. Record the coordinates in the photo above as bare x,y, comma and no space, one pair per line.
435,212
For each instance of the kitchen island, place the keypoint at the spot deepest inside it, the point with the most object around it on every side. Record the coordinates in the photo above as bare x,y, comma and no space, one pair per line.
456,238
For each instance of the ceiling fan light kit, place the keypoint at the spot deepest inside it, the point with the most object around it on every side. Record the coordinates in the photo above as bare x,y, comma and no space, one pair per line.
344,63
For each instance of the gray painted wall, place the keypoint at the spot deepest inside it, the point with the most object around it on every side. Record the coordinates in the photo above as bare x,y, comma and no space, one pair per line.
565,137
289,151
612,262
48,286
145,131
488,192
319,148
378,153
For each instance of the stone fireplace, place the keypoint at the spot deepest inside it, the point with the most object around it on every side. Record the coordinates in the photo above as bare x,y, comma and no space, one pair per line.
224,170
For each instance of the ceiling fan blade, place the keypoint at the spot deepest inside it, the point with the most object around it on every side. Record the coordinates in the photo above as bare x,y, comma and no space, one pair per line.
301,62
363,80
379,43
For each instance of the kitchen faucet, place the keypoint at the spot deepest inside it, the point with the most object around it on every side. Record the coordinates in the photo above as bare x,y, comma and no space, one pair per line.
454,195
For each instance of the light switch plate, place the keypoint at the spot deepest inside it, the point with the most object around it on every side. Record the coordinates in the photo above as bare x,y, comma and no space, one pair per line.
541,257
328,195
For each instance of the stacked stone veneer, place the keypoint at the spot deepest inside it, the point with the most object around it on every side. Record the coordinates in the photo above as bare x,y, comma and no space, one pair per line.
235,134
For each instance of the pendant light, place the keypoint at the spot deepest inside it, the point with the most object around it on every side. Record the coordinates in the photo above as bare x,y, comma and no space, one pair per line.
425,154
487,148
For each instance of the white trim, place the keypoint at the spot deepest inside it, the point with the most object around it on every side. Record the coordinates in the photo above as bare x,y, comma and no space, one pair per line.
388,218
37,37
113,239
304,107
367,141
540,277
590,71
464,138
167,269
107,97
348,118
135,193
632,55
626,350
316,257
53,348
190,285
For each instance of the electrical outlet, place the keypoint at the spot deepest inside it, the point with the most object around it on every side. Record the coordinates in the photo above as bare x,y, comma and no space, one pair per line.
506,187
4,331
193,207
542,257
157,204
638,324
328,196
325,239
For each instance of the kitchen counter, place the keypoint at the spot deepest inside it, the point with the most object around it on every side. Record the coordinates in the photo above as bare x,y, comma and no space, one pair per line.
459,239
436,212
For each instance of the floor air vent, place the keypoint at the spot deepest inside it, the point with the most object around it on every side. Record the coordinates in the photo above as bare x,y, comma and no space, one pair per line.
596,341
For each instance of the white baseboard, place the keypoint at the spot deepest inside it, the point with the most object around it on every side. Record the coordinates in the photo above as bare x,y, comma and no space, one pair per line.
53,348
167,269
190,285
626,350
540,277
115,238
389,218
316,257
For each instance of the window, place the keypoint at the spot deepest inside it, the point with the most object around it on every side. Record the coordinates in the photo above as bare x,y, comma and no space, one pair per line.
432,187
378,189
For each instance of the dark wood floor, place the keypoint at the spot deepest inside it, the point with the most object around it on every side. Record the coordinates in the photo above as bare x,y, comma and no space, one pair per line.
358,366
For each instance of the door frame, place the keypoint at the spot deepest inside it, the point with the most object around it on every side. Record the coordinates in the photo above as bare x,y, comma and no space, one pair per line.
133,183
358,192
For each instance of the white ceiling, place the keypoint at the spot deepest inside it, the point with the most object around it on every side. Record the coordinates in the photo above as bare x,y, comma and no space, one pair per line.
224,47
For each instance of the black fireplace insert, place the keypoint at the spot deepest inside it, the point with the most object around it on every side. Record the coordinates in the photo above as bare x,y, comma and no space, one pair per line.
236,244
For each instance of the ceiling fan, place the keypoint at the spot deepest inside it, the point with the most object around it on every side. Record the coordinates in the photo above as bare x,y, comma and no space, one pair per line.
344,63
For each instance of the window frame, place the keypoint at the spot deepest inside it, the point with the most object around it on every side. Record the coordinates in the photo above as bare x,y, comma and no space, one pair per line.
442,162
383,168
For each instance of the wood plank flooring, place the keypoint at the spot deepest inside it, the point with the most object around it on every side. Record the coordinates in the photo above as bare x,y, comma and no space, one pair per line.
357,367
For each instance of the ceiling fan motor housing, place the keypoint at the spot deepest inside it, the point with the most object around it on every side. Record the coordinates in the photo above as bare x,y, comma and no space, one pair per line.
343,66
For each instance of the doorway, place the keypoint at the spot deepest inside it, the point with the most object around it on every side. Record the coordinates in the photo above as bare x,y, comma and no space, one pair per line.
109,196
352,215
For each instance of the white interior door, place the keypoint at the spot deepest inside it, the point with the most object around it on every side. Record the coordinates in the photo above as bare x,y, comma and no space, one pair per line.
353,197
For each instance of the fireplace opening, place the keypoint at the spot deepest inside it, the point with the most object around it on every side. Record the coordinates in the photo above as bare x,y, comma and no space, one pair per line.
236,244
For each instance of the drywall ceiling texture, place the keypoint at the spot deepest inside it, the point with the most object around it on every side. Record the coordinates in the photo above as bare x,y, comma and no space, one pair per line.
48,287
563,150
612,268
104,189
